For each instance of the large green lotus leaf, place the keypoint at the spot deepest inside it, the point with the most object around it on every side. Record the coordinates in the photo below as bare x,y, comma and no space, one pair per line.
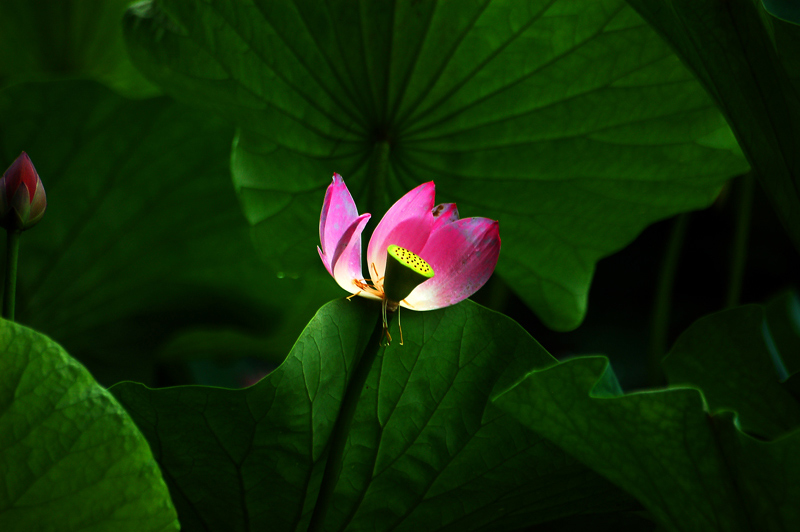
571,122
143,238
417,445
47,39
748,61
691,467
70,456
727,357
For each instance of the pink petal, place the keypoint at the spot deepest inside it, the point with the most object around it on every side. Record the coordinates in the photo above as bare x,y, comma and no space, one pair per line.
338,214
340,229
347,264
22,172
407,224
325,261
463,255
444,213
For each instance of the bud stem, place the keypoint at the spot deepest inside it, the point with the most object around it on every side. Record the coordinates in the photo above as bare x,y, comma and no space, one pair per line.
10,292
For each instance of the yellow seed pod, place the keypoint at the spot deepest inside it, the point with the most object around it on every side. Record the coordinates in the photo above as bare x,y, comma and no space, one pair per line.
405,270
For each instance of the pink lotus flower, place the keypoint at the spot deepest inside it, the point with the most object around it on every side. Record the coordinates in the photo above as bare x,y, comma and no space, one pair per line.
22,197
435,260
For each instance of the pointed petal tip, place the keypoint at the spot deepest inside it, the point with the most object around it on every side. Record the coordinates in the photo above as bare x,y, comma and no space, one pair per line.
338,213
325,261
428,187
428,184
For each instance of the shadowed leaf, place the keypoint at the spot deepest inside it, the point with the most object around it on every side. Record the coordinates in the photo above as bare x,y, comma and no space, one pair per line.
424,450
694,470
726,356
143,241
748,61
68,39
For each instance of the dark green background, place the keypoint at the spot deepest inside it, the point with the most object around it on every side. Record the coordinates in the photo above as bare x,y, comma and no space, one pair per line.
185,147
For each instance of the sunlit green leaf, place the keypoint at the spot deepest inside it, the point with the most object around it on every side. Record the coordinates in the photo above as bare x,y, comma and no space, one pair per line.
70,457
570,122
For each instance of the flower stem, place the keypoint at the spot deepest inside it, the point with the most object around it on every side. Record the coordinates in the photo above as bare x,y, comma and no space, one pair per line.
739,245
341,429
10,292
662,303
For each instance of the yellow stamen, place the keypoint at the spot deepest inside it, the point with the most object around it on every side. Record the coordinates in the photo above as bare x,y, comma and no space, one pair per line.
367,285
375,288
375,269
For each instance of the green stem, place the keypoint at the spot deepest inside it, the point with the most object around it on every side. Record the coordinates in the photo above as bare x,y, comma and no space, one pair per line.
662,303
739,244
341,429
10,293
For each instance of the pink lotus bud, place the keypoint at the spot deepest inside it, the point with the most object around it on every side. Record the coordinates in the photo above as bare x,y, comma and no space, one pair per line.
22,197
